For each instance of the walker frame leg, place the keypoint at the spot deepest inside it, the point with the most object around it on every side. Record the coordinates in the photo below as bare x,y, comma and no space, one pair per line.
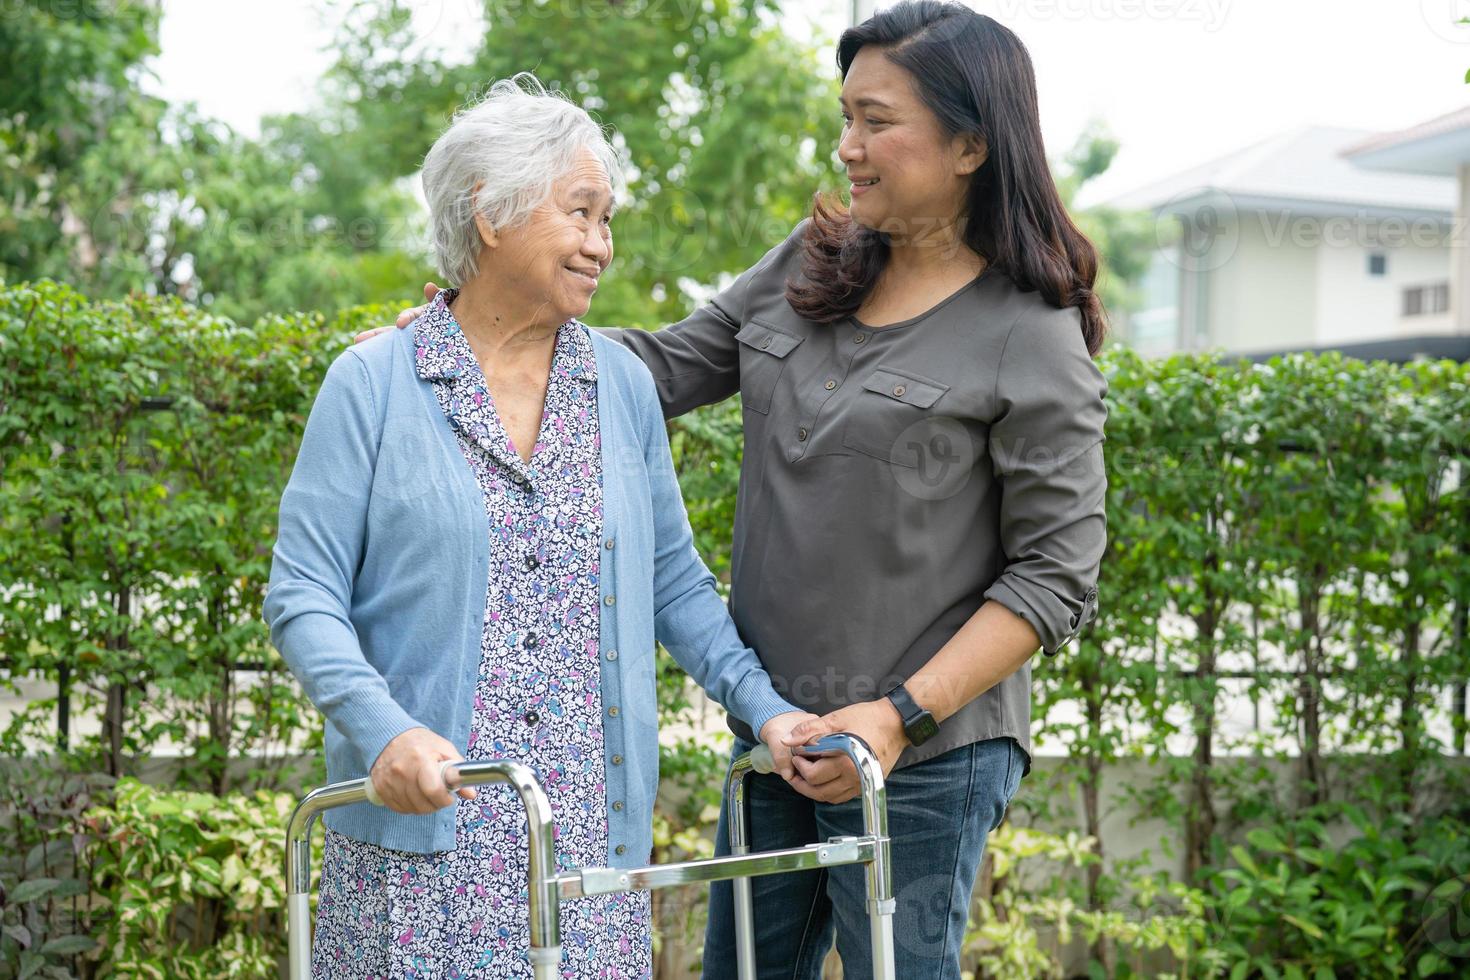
879,883
545,952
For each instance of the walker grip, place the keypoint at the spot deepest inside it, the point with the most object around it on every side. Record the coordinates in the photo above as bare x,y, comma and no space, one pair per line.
761,759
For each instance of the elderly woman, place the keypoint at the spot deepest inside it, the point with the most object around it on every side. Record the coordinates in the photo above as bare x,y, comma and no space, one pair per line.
480,542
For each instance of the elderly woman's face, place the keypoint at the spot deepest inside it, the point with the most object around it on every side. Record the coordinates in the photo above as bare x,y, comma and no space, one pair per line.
557,255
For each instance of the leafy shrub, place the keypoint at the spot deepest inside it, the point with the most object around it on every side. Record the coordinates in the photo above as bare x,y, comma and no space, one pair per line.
46,912
195,883
1301,904
1033,893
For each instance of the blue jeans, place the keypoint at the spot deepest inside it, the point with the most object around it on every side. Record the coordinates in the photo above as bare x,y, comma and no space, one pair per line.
939,813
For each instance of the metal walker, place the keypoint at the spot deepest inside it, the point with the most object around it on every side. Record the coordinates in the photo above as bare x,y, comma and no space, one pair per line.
546,888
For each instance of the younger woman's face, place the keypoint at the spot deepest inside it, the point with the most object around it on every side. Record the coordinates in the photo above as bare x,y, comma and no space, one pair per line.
906,175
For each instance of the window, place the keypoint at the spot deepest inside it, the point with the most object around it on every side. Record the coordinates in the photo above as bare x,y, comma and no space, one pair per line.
1377,264
1427,300
1154,327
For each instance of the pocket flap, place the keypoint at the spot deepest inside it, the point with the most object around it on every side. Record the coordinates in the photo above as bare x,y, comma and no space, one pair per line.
766,338
907,388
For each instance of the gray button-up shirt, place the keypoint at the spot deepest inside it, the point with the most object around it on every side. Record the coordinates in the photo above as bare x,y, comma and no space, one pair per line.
896,478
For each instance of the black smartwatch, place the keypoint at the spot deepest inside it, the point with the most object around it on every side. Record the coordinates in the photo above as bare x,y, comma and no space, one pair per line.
919,725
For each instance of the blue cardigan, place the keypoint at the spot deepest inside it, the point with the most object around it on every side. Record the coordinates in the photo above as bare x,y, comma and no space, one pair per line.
377,587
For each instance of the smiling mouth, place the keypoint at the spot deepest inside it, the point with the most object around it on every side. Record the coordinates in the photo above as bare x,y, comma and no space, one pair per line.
869,182
584,275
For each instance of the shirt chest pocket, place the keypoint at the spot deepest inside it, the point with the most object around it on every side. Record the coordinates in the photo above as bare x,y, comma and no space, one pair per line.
888,416
763,353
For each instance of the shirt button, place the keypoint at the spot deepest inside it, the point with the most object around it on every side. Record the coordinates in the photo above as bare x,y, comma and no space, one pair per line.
859,338
899,390
618,805
831,385
801,434
532,641
612,712
620,849
617,760
532,717
532,563
612,654
608,601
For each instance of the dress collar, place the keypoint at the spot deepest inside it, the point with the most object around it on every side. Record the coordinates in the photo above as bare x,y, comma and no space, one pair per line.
442,352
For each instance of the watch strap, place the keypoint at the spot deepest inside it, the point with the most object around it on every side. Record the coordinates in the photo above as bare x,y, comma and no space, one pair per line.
918,724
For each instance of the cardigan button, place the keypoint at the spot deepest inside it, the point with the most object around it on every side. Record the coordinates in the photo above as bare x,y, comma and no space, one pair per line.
617,760
612,654
621,848
609,601
612,712
618,805
608,544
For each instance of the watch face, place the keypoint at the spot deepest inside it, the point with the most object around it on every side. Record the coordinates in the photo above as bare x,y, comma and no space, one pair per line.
923,729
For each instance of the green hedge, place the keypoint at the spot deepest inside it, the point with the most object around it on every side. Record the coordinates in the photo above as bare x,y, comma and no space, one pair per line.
1296,531
144,446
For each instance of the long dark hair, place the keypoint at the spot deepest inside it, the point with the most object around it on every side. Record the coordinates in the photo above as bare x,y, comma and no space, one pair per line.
976,77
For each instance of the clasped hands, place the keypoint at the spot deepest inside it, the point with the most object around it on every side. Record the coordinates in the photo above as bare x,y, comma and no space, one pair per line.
834,779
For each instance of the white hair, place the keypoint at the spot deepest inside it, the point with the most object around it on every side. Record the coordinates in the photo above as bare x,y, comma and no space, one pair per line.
517,142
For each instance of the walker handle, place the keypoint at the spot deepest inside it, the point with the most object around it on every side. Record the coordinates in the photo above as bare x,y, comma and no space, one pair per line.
761,759
826,745
376,800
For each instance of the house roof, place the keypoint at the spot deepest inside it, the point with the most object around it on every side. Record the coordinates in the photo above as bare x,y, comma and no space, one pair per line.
1435,147
1304,169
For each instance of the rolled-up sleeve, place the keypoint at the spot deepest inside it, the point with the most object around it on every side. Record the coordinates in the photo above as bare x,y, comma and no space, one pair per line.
1046,448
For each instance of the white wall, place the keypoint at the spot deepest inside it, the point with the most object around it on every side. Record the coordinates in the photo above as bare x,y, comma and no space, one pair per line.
1353,306
1277,279
1262,293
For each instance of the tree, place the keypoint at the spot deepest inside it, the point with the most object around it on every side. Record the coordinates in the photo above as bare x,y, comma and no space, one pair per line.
67,78
1124,239
727,125
115,191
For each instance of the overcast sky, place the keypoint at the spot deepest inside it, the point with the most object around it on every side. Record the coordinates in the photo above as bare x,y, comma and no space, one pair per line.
1178,81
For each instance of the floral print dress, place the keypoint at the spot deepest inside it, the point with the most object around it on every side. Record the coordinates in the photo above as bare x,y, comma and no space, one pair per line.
391,915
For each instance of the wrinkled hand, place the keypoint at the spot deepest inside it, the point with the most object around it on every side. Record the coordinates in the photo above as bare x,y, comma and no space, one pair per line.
404,318
774,733
835,780
406,774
